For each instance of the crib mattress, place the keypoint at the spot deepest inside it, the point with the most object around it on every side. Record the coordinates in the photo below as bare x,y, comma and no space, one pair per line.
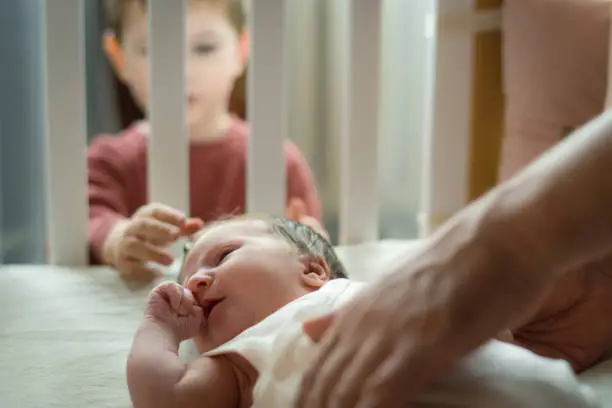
65,332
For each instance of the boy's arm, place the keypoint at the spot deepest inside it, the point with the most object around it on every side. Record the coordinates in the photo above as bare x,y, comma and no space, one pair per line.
106,195
157,378
300,182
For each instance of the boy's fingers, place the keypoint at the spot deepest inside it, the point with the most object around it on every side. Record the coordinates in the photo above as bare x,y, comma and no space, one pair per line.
154,231
163,213
191,226
136,270
139,250
295,210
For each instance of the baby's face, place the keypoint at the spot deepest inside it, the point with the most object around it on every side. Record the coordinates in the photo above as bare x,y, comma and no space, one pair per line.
240,272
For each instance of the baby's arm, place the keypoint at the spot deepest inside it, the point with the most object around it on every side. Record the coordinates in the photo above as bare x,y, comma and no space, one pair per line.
157,378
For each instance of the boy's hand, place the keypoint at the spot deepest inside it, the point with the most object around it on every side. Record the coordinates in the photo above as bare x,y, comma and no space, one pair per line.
134,242
175,307
296,211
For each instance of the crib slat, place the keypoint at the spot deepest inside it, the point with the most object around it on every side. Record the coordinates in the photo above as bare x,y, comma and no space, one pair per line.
359,128
446,144
266,107
65,135
168,155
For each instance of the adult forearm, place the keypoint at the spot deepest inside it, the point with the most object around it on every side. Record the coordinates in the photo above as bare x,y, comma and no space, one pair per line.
154,368
558,211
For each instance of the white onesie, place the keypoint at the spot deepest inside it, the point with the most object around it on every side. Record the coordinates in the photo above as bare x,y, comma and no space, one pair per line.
495,375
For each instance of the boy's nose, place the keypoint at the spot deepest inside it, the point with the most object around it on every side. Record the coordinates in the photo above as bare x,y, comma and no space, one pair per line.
200,280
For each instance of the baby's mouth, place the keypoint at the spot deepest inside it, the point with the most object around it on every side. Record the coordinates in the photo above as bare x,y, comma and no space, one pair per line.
208,305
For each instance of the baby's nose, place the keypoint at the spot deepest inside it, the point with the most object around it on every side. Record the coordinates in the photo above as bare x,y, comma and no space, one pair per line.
200,280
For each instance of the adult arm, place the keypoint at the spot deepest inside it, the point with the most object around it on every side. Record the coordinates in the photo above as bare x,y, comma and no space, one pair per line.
483,270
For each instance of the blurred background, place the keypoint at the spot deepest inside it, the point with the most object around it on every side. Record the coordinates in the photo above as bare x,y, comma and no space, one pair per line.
314,88
316,27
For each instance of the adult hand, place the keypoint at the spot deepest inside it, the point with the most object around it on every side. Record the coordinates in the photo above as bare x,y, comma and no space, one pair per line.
383,347
143,238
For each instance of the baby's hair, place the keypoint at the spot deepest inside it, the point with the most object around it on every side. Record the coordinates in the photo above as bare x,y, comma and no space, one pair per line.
309,242
306,240
115,12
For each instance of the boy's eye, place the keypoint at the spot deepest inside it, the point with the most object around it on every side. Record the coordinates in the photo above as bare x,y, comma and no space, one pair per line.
204,48
142,50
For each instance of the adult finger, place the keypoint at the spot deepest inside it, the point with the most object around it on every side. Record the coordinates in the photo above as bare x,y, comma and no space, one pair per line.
154,231
367,355
317,327
142,251
310,391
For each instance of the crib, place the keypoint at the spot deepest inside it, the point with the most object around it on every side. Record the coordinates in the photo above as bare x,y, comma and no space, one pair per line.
66,327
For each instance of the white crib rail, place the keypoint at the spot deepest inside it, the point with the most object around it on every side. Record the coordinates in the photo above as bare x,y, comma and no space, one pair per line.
65,138
359,129
446,142
266,107
168,155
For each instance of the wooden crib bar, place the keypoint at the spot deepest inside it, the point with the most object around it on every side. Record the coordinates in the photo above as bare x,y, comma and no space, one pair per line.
453,25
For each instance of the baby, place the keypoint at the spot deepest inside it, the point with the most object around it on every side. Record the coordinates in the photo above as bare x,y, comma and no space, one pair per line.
246,287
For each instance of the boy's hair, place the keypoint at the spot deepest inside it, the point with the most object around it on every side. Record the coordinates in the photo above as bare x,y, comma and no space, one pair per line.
115,11
305,239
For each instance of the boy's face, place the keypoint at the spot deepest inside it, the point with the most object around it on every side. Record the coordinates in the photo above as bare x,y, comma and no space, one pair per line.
241,272
213,60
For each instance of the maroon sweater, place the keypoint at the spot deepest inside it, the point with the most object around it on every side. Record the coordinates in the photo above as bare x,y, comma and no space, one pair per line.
117,179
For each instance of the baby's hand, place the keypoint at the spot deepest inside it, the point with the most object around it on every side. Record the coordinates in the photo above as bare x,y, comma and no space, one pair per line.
176,308
134,242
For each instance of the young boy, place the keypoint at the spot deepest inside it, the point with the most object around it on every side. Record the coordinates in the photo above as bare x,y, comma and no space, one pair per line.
248,286
124,231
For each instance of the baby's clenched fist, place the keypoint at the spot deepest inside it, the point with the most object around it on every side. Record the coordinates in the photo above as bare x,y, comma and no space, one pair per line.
174,306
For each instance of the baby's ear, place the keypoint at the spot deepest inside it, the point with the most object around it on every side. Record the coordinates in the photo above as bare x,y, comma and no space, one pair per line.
316,272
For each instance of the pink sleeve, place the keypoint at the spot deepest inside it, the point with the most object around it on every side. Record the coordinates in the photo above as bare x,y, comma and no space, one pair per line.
300,181
106,194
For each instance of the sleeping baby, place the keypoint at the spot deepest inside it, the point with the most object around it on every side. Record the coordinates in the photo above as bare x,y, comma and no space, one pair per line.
246,287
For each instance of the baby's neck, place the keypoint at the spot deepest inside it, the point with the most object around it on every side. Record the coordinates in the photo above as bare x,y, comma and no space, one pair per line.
213,130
